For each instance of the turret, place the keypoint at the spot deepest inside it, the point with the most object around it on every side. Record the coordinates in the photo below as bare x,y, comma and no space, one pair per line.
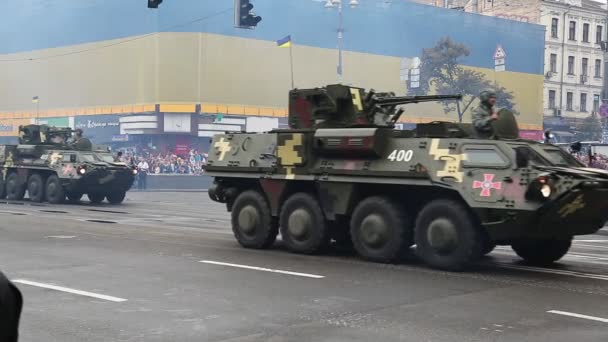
336,106
44,135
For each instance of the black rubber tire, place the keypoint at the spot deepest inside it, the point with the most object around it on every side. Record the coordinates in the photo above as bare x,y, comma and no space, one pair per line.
541,252
252,224
2,187
116,197
367,221
73,197
14,189
35,188
463,247
54,191
95,197
303,225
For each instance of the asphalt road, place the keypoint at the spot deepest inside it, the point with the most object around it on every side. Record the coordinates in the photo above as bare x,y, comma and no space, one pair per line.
164,267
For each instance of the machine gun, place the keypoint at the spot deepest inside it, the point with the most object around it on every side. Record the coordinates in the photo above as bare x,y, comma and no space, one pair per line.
339,106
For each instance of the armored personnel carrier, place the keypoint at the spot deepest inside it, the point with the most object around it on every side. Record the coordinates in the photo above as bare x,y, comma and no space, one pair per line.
342,172
49,168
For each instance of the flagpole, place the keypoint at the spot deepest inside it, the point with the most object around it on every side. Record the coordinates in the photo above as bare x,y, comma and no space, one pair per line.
291,63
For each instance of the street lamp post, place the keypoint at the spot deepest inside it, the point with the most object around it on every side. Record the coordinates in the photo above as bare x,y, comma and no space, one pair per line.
338,5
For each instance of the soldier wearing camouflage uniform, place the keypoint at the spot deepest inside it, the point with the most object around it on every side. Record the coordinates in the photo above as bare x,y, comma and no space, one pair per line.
484,114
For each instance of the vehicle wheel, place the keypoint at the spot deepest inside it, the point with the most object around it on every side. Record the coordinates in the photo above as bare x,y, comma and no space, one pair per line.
2,188
95,197
252,224
116,197
74,197
14,189
380,230
302,223
35,188
541,252
447,237
54,191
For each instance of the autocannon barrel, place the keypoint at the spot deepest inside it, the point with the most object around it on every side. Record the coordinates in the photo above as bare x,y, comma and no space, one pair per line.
399,100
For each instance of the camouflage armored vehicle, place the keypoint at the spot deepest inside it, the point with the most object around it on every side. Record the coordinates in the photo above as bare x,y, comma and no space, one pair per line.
49,168
343,172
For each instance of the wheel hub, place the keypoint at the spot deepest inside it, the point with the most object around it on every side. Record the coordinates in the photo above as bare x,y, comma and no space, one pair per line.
374,231
442,235
299,224
248,219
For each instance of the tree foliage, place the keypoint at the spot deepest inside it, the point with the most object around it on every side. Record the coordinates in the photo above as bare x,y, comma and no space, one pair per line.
590,129
440,69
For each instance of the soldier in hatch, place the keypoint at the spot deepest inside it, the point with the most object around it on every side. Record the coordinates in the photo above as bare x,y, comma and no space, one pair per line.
82,143
484,114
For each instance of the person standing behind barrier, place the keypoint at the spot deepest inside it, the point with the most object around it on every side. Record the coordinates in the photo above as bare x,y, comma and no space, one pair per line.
11,303
143,174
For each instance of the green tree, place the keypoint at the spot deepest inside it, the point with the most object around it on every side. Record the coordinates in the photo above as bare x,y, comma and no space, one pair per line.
590,129
440,69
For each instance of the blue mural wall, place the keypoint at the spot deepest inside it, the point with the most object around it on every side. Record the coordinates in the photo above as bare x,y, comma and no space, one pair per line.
397,29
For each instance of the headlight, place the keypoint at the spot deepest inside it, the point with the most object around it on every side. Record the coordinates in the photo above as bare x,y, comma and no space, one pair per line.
545,190
82,170
541,188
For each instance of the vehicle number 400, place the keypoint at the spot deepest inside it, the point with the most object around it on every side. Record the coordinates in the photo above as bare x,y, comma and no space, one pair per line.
401,155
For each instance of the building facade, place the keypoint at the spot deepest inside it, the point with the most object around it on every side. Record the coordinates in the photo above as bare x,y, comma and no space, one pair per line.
575,54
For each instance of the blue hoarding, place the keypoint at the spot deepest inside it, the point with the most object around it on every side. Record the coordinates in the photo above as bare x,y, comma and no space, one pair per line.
99,128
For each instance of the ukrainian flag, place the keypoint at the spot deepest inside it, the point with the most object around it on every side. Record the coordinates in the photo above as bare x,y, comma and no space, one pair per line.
285,42
35,99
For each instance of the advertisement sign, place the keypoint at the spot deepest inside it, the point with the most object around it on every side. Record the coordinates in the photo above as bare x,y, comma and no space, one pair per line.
99,128
57,122
6,128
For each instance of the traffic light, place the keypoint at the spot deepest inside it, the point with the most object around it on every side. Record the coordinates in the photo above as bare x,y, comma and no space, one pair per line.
244,17
154,3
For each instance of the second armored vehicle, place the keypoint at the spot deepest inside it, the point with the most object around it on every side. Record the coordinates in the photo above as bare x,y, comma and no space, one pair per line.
49,169
343,172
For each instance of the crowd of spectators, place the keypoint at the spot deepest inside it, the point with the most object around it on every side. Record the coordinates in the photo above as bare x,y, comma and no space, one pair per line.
169,163
598,161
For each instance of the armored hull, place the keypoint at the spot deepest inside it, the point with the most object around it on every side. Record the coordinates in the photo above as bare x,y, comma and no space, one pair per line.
453,195
55,172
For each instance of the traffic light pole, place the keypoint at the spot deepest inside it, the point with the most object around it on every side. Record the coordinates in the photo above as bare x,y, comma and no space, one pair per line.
340,41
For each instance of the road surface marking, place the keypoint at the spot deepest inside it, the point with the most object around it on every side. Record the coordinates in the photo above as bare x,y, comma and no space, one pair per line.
599,241
571,255
263,269
68,290
60,236
552,271
586,246
572,314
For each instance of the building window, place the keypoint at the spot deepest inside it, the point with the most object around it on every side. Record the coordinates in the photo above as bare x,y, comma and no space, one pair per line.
598,68
569,96
554,23
553,63
596,102
572,31
598,35
570,65
584,66
586,33
551,99
583,102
